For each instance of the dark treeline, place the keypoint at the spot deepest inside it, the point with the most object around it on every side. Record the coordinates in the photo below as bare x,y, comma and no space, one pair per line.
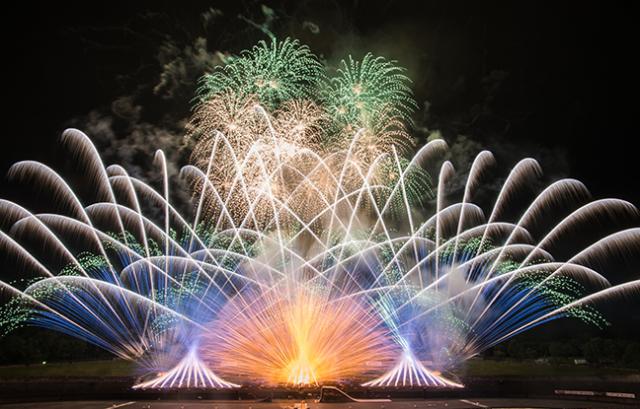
614,352
35,345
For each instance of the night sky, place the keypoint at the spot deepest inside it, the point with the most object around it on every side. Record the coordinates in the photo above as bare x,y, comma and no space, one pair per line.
571,81
558,82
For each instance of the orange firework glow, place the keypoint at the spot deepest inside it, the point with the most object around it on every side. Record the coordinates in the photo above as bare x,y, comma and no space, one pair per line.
297,337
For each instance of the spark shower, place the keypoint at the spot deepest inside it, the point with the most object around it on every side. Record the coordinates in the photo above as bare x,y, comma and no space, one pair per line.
323,244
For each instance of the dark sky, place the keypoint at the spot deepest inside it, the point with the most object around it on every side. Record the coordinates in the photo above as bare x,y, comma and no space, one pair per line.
571,83
559,82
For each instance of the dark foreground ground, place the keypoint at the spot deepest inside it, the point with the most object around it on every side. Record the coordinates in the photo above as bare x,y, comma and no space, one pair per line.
478,393
423,404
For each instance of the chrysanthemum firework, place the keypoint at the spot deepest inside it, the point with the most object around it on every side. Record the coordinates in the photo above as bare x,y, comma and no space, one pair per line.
298,124
274,72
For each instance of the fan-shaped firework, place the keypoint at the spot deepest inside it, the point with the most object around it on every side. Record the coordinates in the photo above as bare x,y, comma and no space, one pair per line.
303,336
307,261
433,293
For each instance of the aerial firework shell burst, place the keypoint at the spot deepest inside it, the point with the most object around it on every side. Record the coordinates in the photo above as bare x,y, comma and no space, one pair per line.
318,249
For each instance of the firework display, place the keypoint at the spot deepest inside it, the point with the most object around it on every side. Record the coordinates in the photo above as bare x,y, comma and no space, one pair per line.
319,248
275,123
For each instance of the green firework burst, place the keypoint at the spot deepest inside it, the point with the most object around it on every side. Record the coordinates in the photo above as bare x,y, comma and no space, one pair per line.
362,90
275,72
559,291
415,189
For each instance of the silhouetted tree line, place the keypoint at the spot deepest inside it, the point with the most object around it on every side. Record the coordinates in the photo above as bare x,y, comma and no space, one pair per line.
600,351
34,345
